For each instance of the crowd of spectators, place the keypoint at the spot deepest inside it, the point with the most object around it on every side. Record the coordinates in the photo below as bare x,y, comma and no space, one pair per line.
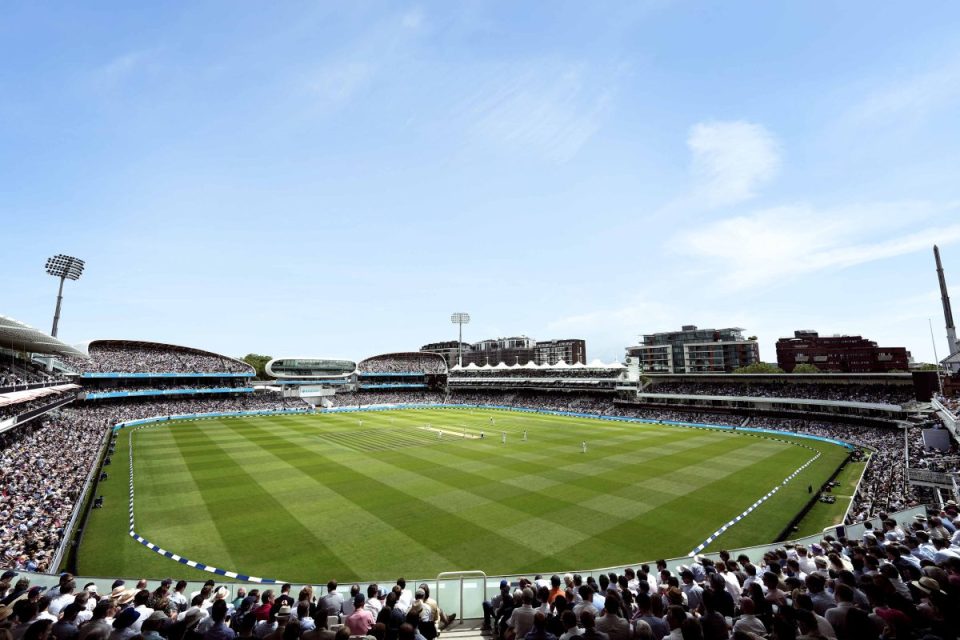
167,611
19,408
878,394
19,373
118,357
39,485
884,485
427,363
365,398
900,580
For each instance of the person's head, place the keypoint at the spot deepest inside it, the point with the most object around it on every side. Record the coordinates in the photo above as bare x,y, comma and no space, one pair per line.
643,602
527,595
331,586
675,617
39,630
747,607
569,619
358,601
267,597
69,613
343,633
303,610
103,610
587,618
181,585
379,631
770,580
815,582
611,606
285,589
401,583
559,604
247,623
354,590
539,621
843,593
691,629
372,591
643,631
292,630
141,598
405,633
218,610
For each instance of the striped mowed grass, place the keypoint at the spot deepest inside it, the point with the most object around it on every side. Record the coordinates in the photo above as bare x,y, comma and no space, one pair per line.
373,495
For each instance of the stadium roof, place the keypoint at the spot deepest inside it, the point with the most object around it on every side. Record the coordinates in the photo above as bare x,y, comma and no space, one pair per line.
22,337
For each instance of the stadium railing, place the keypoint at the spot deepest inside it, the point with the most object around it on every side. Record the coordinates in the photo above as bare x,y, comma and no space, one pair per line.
101,395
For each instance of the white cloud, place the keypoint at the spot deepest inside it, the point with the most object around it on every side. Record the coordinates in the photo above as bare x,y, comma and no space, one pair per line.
772,244
731,160
547,110
911,98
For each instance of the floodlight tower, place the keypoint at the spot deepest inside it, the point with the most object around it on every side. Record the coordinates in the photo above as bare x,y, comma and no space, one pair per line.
63,267
460,319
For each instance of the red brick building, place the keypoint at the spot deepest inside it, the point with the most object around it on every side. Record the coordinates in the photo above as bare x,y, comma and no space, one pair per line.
845,354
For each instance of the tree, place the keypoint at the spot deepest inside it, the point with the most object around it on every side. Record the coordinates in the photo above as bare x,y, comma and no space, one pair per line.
258,362
803,367
759,367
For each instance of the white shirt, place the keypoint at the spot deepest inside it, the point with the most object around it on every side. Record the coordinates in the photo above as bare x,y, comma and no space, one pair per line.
145,612
58,603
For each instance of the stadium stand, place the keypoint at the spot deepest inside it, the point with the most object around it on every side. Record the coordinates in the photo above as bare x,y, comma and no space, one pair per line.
879,394
367,398
16,373
399,363
129,356
898,579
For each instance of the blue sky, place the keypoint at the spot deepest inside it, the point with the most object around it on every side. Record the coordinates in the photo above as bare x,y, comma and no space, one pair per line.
334,179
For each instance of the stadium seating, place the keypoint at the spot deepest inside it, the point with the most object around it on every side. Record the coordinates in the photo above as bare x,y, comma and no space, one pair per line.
882,579
401,363
122,356
879,393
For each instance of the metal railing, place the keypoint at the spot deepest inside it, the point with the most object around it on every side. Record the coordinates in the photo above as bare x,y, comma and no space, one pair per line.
476,585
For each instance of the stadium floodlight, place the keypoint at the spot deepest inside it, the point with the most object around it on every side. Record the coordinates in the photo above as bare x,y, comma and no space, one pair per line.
460,319
63,267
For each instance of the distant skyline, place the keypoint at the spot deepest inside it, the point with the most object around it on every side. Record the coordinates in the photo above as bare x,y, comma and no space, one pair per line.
336,179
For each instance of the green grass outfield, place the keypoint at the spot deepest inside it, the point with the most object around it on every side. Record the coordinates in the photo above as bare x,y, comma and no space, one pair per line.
311,497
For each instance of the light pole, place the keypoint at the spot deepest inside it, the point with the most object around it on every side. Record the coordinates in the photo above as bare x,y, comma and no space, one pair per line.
460,319
63,267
